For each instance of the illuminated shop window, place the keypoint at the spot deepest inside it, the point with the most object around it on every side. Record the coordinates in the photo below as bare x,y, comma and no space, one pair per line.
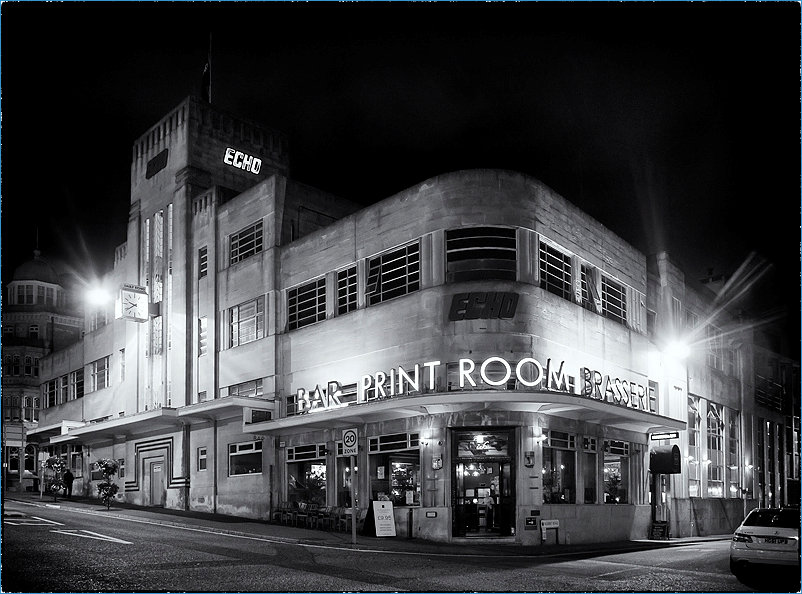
616,471
246,243
478,253
245,458
306,304
559,468
247,322
393,274
715,450
733,453
396,477
555,271
614,301
346,290
694,446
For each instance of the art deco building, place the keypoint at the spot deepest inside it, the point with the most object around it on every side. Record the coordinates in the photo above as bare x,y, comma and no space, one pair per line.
502,356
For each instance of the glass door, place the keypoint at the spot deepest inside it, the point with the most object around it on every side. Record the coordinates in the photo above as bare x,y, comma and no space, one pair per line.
483,486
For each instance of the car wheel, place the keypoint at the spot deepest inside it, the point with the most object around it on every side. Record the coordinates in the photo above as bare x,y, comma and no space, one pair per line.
737,568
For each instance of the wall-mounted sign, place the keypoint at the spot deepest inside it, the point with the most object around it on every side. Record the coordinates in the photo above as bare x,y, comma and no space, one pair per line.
666,435
240,160
528,374
484,305
350,445
546,524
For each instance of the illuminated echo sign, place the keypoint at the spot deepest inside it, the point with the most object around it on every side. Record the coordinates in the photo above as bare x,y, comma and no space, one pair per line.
240,160
493,372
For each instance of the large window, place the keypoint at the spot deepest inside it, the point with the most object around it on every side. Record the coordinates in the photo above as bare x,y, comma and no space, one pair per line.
306,304
694,446
395,468
245,458
614,301
346,290
715,450
393,274
616,471
247,322
99,374
559,468
555,271
246,243
306,473
478,253
76,389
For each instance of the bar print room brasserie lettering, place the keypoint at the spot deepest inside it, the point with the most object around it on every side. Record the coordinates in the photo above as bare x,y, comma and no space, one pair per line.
529,374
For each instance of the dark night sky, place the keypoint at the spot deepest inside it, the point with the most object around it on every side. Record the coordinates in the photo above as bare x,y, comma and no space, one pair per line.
675,124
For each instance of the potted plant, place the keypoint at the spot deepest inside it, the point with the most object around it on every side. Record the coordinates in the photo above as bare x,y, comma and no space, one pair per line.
54,471
107,489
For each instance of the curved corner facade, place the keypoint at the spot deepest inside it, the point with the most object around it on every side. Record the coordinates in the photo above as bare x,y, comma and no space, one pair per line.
499,354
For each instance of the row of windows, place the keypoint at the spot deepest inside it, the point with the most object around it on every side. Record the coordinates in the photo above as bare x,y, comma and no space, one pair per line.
718,454
17,408
36,295
16,365
71,386
9,330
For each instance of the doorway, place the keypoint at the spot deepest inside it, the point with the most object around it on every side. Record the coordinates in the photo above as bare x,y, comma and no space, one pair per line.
154,482
483,485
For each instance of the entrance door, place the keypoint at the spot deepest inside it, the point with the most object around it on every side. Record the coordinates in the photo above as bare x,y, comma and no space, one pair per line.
483,494
156,483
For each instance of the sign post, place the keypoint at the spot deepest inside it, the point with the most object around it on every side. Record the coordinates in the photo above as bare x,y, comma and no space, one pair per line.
351,448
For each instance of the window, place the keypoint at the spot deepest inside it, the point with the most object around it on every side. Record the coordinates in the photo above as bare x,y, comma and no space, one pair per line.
691,320
614,301
555,271
6,364
77,461
157,335
122,365
99,374
559,468
202,396
478,253
729,362
202,459
50,296
203,262
40,294
246,243
33,331
590,291
247,322
64,389
307,481
694,427
76,384
393,274
715,450
395,477
245,458
676,313
714,354
307,304
246,389
50,393
589,468
121,470
8,331
203,338
16,367
346,290
29,294
29,366
97,318
616,471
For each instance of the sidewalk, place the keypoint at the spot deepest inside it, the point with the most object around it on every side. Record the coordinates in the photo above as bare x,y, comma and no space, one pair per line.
244,527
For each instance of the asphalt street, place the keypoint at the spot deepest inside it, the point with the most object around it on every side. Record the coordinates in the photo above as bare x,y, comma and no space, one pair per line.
82,547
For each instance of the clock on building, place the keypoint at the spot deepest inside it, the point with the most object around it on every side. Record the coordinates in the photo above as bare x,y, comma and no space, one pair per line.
134,302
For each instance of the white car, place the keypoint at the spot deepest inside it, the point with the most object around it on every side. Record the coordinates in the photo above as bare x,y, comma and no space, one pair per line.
766,536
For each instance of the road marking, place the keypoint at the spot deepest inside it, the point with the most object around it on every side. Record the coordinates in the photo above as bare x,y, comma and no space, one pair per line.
90,534
32,521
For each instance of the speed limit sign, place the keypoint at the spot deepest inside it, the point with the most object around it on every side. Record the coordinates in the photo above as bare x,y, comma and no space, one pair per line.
350,446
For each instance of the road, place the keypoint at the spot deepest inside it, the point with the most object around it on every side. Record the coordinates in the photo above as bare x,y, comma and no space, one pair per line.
59,549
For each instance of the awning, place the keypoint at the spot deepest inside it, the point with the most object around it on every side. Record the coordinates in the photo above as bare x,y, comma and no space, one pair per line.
558,404
151,422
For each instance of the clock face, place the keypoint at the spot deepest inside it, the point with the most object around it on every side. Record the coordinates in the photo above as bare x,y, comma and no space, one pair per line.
134,305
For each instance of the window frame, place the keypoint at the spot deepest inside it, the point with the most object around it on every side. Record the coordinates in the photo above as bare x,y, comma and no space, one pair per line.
556,270
242,449
306,304
392,273
239,248
236,322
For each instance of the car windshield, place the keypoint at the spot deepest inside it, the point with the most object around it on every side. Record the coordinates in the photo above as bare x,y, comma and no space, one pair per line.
775,518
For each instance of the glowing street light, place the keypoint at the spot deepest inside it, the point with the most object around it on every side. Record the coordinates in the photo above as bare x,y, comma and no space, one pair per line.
677,349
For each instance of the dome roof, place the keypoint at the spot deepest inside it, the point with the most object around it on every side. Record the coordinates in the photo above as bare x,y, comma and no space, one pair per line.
37,269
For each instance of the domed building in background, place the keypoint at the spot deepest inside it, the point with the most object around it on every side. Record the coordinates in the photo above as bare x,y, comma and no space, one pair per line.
39,317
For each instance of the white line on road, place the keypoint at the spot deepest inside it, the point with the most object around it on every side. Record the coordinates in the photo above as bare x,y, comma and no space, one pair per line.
32,521
89,534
